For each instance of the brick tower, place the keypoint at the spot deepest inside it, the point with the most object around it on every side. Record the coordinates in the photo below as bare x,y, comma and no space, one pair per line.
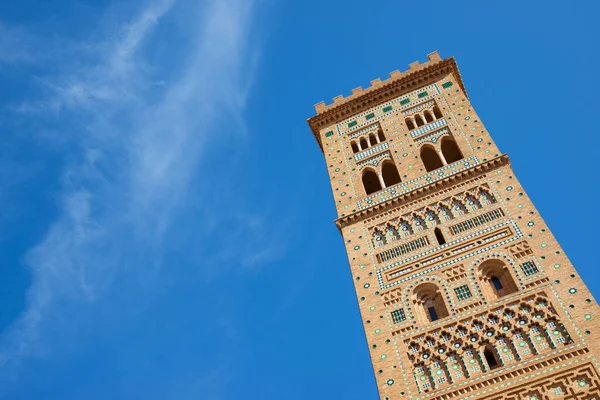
463,290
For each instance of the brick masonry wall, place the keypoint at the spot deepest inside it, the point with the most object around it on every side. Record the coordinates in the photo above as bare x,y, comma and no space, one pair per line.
545,331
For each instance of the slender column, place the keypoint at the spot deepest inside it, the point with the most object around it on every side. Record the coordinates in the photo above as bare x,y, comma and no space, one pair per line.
442,157
381,181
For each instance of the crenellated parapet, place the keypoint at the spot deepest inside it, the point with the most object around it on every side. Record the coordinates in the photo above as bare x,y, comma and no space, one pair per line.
398,83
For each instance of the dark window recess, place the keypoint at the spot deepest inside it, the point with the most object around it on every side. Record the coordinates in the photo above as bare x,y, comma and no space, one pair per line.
432,314
496,282
489,357
439,236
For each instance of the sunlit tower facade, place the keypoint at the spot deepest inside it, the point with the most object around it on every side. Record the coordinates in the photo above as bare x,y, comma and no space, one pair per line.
463,290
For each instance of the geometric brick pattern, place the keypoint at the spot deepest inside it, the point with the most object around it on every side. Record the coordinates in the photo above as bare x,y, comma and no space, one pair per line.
464,293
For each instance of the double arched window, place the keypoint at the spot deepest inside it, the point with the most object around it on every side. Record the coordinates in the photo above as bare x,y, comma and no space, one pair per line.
374,182
430,158
448,153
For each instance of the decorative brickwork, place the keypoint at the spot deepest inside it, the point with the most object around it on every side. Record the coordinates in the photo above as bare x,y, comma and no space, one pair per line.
463,290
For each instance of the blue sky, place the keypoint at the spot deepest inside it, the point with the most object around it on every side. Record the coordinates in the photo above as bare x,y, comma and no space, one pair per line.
167,222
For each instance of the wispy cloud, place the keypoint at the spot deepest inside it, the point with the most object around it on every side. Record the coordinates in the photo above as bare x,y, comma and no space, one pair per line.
139,136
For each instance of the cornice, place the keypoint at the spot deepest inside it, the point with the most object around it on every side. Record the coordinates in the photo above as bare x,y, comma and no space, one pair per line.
413,195
419,75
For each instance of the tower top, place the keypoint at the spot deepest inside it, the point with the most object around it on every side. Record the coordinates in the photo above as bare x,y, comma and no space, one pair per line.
398,83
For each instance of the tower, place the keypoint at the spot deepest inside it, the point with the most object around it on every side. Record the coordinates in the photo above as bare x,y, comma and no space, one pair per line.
463,291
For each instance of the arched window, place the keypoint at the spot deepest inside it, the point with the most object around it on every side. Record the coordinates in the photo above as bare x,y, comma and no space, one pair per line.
380,136
354,146
490,357
429,302
372,139
439,236
496,283
390,174
371,181
430,158
450,150
437,113
409,124
498,278
428,116
363,143
419,120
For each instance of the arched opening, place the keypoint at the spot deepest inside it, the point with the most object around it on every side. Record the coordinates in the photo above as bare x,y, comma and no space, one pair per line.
429,302
496,283
450,150
419,120
363,143
371,182
439,236
380,136
354,146
499,281
409,124
430,158
372,139
433,316
428,116
390,174
437,113
490,357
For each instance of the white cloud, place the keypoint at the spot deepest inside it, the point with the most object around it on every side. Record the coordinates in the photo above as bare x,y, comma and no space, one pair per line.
138,148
